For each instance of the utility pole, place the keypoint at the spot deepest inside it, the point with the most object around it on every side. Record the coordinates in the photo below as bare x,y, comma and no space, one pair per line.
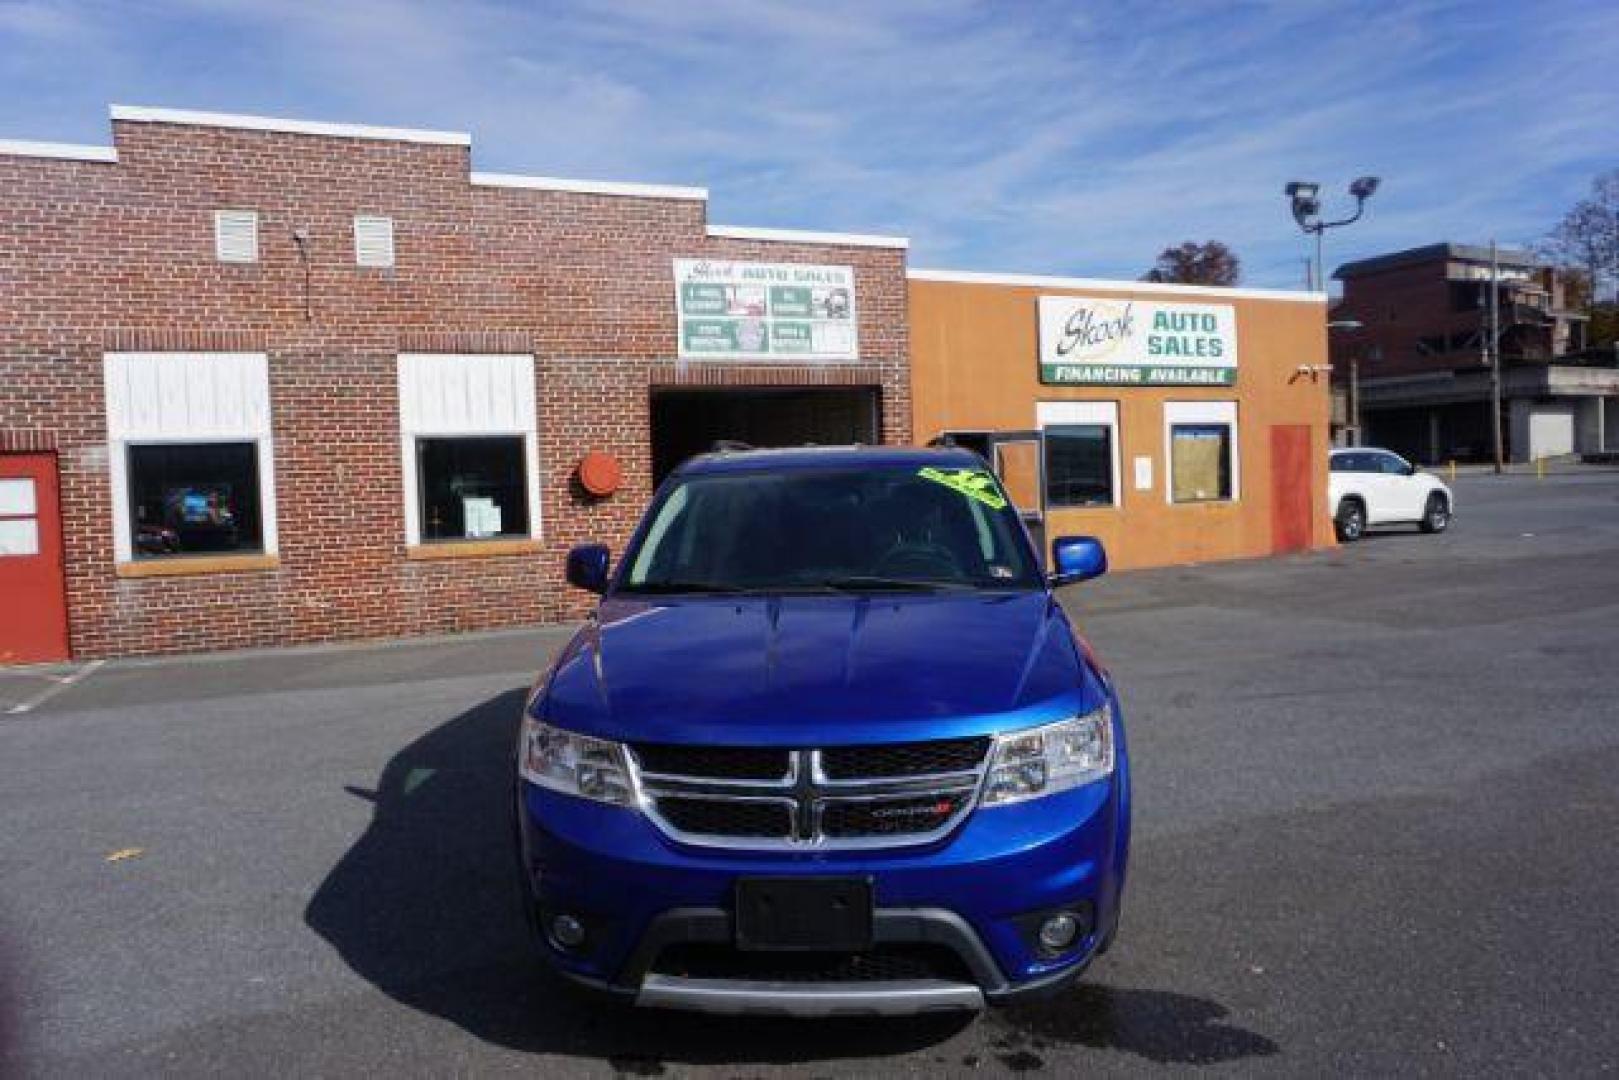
1354,397
1494,348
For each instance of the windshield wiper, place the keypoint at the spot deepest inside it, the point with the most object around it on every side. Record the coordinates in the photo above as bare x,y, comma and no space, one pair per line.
850,583
873,583
681,587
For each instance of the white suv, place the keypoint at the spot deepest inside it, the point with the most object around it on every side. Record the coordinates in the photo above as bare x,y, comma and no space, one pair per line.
1377,487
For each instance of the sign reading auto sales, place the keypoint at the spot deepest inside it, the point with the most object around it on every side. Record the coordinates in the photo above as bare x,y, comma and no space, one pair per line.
1096,341
765,311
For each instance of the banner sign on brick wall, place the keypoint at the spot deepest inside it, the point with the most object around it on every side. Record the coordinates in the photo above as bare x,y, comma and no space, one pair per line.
1108,341
765,311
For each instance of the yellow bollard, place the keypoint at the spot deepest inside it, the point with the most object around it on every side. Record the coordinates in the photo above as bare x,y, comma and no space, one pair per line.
1540,468
1453,470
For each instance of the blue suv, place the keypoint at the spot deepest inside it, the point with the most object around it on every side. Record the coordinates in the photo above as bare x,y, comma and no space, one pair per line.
828,745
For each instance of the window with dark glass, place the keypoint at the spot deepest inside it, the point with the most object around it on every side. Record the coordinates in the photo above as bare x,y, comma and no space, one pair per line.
1355,463
195,498
1079,465
472,488
1200,462
869,528
1390,464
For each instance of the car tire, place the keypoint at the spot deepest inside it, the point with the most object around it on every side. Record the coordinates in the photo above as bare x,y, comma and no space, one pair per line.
1350,522
1436,515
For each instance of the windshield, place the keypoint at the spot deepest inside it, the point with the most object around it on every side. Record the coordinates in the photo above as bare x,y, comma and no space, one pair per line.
857,529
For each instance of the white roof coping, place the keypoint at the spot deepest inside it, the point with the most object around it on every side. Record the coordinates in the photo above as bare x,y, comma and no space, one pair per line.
1042,281
146,115
805,236
589,187
64,151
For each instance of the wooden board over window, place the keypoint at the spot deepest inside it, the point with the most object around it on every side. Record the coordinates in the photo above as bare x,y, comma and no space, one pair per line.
1199,456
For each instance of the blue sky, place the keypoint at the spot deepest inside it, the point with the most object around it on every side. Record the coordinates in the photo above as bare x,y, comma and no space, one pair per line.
1052,137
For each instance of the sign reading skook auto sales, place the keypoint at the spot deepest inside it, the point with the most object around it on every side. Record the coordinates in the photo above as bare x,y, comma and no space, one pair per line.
765,311
1097,341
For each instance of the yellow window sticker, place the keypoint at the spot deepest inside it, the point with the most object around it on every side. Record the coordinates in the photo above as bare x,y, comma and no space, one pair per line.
973,483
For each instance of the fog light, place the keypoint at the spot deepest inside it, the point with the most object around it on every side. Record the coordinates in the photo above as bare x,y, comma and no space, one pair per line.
1058,932
567,931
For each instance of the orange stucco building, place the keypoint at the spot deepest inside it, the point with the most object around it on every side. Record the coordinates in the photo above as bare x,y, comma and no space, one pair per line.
1177,423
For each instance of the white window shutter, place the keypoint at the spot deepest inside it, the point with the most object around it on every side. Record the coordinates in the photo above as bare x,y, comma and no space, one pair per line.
373,241
236,235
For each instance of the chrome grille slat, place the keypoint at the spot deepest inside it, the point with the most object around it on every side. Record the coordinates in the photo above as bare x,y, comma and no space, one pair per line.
842,812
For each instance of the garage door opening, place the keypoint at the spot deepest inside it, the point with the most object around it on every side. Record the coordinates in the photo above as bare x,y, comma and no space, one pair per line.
687,422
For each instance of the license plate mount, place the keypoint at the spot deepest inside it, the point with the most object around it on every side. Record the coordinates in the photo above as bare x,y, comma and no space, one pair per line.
804,914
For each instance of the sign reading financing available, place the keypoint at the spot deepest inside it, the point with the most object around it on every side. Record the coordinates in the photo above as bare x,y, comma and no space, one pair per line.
765,311
1096,341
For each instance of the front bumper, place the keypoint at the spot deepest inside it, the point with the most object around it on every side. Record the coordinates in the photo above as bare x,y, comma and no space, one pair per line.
638,893
937,926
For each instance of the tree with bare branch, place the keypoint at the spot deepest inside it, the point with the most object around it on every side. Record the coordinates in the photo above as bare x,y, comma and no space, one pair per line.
1588,237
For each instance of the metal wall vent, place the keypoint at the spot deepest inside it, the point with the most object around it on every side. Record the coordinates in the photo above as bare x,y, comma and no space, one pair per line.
373,241
236,235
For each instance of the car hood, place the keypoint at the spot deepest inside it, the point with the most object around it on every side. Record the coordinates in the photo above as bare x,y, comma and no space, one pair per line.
798,670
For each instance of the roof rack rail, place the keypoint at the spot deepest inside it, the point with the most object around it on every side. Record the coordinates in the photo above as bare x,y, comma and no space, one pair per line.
729,446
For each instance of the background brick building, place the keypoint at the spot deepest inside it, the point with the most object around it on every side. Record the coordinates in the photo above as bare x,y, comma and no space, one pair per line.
113,259
1418,357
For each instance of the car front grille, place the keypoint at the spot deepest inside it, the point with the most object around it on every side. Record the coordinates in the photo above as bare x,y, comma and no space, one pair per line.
714,762
892,817
893,795
727,817
903,759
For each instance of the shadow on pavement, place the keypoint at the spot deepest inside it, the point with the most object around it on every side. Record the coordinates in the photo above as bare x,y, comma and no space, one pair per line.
1165,1028
425,907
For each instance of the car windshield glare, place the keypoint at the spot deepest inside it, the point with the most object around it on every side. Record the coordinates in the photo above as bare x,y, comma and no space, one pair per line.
855,529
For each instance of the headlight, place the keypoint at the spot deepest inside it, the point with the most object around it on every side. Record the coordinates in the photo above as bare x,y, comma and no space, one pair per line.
1046,760
574,764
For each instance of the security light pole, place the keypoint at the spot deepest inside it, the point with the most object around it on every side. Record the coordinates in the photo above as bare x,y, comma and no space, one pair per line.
1305,195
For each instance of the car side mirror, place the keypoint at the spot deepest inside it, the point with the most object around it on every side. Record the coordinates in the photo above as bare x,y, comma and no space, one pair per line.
1410,469
587,567
1077,558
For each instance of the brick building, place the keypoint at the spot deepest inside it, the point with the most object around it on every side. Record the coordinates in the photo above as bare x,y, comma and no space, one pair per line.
292,382
1417,356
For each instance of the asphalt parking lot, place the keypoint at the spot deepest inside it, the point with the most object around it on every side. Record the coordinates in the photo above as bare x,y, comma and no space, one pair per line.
1376,812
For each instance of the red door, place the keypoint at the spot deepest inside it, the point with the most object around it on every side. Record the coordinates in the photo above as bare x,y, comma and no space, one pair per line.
1292,495
33,592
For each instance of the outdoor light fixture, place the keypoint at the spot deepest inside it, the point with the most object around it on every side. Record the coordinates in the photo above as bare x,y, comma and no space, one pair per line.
1306,205
1305,196
1364,188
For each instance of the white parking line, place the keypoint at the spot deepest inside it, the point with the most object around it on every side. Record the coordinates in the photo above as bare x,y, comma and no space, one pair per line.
58,685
